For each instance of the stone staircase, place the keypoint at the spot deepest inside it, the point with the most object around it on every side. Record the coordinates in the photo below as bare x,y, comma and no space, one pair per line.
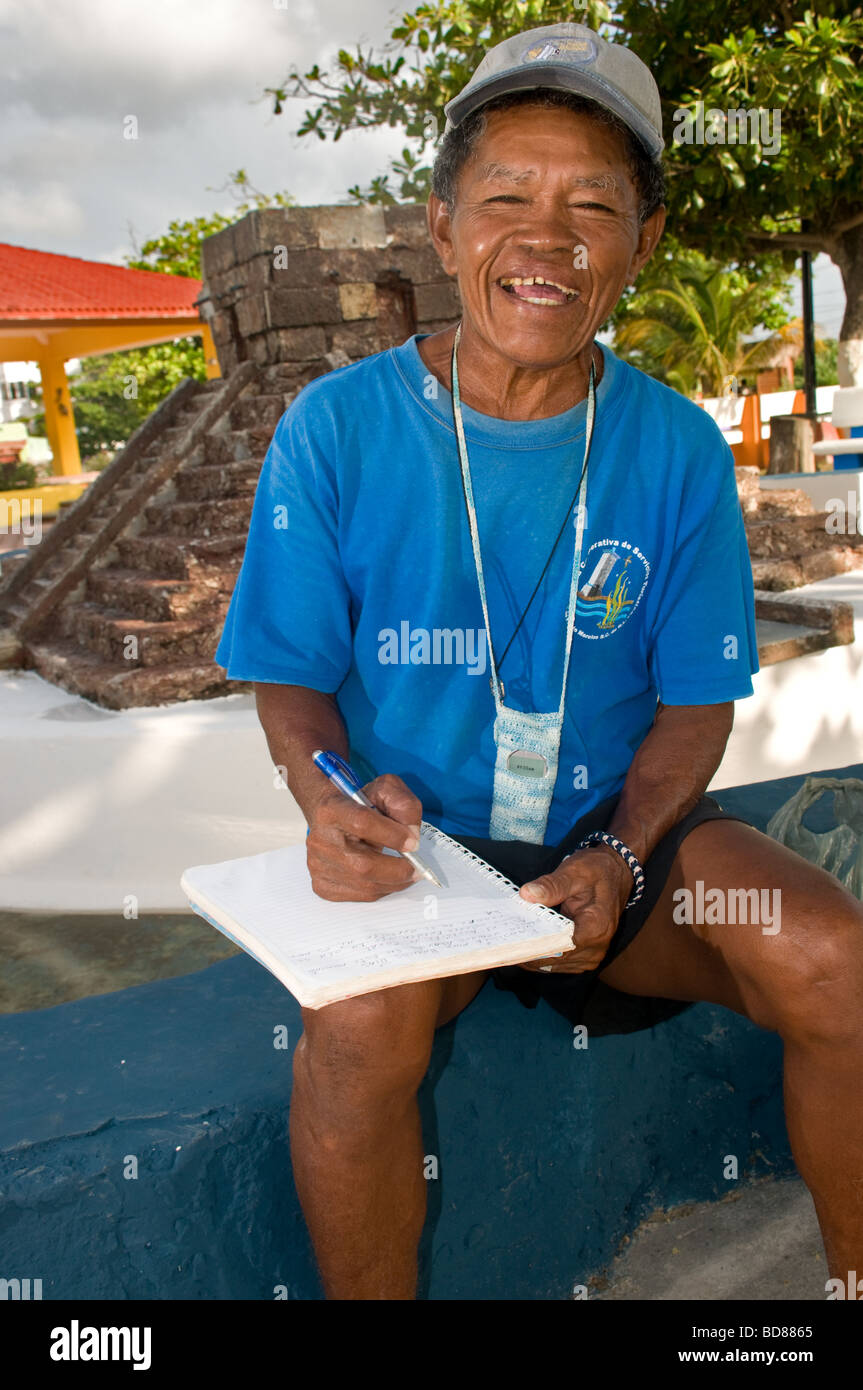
124,600
789,544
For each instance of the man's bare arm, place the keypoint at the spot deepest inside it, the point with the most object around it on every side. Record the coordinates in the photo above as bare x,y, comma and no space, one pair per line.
345,840
670,772
296,721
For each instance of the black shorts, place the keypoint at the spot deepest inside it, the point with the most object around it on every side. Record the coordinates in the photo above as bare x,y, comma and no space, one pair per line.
585,998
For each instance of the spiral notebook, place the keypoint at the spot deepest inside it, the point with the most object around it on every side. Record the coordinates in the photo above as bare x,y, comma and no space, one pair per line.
323,951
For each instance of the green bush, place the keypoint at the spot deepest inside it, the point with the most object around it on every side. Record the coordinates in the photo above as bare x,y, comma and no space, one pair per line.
17,475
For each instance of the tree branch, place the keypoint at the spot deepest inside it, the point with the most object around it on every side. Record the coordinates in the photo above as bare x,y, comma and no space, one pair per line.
797,240
843,227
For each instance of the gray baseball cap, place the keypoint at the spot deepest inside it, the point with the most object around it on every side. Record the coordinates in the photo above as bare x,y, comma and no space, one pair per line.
575,58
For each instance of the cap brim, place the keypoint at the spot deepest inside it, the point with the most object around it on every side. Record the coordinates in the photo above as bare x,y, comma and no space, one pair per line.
562,77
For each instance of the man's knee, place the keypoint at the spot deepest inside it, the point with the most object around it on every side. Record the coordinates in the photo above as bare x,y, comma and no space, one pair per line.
373,1049
811,973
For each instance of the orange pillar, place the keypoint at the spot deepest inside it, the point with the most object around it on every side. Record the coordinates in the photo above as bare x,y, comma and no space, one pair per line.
59,418
210,355
748,452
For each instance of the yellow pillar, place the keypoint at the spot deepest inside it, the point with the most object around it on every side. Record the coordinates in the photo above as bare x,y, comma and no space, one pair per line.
210,355
59,418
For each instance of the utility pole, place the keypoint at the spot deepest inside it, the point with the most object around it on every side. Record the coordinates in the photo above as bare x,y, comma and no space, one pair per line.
809,380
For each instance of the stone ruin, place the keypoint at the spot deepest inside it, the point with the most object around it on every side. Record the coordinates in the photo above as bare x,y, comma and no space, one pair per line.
303,286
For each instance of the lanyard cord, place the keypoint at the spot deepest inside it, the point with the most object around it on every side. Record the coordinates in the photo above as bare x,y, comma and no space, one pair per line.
467,489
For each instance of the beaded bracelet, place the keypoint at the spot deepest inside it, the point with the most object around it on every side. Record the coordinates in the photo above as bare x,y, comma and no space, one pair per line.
602,837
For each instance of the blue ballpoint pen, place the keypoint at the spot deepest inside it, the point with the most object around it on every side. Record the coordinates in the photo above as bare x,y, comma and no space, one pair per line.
342,775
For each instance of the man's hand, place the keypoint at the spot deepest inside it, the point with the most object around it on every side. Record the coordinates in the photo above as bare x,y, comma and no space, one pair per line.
345,842
591,887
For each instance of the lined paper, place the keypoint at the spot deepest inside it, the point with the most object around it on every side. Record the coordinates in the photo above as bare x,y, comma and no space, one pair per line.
266,902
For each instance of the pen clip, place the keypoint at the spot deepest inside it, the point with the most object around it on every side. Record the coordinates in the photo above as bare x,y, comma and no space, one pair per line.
344,768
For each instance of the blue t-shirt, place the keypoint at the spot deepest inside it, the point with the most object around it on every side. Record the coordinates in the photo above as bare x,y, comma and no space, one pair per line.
358,577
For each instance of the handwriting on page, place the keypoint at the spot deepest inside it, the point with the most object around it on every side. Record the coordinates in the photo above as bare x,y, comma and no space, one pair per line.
383,950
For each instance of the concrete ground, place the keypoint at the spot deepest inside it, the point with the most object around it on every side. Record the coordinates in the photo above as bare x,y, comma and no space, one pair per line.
760,1242
50,959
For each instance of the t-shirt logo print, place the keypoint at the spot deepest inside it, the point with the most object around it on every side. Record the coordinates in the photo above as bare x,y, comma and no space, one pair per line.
614,575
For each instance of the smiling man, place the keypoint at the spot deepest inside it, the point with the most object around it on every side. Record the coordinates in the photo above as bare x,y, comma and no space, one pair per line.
514,486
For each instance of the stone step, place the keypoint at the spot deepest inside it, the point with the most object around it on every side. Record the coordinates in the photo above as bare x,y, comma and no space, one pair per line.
229,446
8,563
108,634
120,686
170,438
788,535
789,572
7,567
257,412
59,562
12,610
140,469
778,502
289,377
769,503
230,515
180,556
57,566
208,482
152,598
120,493
280,376
192,409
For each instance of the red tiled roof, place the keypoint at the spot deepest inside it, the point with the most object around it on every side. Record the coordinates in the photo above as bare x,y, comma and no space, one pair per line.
43,285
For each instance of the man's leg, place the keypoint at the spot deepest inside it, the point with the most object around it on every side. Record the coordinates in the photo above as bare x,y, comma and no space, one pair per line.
356,1140
804,982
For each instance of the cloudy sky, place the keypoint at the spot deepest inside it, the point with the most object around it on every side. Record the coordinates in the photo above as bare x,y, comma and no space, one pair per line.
192,72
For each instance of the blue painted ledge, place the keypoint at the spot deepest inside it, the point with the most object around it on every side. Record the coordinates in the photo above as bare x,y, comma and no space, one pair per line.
547,1155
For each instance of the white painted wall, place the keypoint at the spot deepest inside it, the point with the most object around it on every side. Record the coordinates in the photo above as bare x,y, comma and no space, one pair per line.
97,806
806,714
822,487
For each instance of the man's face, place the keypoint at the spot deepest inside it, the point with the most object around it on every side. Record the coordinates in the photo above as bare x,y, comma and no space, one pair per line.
547,193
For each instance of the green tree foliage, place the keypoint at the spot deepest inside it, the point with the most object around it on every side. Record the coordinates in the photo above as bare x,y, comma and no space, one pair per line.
826,363
737,201
19,474
430,55
734,202
691,321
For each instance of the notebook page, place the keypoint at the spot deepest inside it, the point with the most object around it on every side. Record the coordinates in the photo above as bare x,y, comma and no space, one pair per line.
326,943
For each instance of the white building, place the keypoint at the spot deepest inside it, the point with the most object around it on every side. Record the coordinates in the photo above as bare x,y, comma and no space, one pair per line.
18,400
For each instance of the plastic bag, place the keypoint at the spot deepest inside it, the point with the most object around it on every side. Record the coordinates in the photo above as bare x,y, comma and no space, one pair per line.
839,851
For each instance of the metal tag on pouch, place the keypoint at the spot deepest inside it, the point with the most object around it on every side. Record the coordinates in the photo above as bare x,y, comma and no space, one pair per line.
527,764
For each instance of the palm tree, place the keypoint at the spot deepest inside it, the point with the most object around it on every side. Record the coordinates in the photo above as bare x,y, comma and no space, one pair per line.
690,322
